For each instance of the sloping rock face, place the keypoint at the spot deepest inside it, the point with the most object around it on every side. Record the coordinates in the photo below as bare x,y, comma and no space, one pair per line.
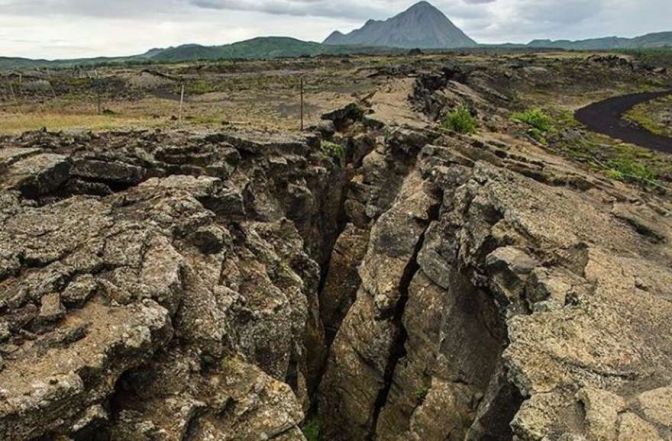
148,293
504,294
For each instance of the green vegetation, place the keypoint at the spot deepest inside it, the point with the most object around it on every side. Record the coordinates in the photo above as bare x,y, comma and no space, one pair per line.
460,120
67,99
421,394
311,430
657,57
624,162
640,116
200,87
9,63
270,47
626,168
540,124
335,151
651,116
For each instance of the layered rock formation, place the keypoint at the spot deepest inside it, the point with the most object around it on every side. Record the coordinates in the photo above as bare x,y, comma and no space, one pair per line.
505,293
398,284
154,287
494,305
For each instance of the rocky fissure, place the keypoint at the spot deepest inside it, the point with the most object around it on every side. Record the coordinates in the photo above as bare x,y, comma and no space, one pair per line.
405,283
398,350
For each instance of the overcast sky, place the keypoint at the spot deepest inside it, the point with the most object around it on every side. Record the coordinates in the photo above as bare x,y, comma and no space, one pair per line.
84,28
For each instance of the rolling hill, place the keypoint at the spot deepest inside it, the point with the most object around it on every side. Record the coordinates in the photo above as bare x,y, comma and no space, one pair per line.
261,47
256,48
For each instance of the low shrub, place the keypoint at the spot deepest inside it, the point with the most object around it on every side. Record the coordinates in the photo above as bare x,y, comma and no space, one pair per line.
628,169
460,120
539,123
334,151
199,87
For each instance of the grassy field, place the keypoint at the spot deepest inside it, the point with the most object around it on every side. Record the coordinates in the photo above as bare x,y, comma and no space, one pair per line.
15,123
655,116
270,110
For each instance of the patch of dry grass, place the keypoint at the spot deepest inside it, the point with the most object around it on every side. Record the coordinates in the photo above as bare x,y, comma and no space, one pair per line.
266,100
14,123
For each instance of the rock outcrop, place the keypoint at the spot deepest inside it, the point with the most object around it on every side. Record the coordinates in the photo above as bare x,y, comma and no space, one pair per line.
504,295
146,300
394,283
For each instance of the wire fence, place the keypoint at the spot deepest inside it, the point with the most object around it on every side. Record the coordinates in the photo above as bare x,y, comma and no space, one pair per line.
90,89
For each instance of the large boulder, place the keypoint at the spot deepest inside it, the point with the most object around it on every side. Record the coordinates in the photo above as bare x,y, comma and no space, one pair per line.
34,173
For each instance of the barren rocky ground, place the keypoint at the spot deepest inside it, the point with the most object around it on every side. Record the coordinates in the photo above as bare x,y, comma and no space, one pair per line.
375,277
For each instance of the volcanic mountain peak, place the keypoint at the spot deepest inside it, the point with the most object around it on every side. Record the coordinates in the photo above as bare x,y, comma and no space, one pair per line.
423,7
421,26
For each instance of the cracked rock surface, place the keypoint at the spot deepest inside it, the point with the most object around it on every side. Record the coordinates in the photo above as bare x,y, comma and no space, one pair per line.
505,294
144,302
420,286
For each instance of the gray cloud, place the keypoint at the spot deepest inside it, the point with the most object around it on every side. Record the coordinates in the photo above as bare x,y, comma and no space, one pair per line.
128,26
345,9
89,8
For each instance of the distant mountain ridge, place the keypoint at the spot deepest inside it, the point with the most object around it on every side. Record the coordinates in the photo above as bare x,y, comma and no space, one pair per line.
421,26
648,41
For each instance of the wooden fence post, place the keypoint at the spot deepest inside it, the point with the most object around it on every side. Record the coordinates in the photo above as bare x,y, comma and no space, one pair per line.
11,91
301,103
51,86
97,89
181,102
15,98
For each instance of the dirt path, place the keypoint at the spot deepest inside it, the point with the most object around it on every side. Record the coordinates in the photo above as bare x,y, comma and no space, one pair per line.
606,117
